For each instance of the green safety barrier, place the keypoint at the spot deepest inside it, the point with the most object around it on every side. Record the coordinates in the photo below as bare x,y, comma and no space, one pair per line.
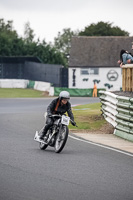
119,121
122,128
131,112
122,134
123,102
102,97
123,105
31,84
131,106
124,117
131,100
76,92
121,110
123,98
131,125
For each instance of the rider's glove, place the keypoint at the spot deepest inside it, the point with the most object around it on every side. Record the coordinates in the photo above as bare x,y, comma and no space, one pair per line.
73,123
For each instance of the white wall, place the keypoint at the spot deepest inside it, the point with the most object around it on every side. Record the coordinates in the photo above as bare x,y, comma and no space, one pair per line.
103,75
13,83
44,86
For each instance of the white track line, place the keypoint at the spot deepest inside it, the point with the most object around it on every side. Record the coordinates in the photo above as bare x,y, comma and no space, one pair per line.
100,145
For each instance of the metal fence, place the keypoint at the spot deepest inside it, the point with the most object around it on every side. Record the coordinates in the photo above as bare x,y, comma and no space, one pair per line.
57,75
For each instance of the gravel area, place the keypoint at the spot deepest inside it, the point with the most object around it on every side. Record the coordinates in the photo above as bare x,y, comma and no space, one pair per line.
126,94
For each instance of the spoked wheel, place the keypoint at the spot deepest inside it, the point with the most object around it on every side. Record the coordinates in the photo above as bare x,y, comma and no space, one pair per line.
61,139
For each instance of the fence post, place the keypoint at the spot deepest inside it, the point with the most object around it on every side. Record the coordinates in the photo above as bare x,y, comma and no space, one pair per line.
124,79
127,77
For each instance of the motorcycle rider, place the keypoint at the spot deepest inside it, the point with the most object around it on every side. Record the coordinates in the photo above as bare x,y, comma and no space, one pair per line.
59,105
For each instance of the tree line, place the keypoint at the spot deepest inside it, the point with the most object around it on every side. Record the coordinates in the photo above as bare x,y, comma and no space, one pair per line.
11,44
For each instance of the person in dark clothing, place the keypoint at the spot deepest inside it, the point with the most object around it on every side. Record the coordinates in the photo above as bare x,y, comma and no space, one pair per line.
59,105
125,58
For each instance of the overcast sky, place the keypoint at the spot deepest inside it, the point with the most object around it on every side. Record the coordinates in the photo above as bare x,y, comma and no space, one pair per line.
48,17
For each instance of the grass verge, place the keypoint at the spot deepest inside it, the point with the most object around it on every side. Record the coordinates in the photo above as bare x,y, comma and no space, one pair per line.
88,118
21,93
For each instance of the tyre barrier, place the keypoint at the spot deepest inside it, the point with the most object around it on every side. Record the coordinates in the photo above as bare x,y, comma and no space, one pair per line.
118,111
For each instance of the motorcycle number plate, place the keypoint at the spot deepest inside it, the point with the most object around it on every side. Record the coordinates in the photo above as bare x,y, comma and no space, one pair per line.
65,120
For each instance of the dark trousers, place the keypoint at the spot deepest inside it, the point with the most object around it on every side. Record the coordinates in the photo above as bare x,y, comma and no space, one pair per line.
49,123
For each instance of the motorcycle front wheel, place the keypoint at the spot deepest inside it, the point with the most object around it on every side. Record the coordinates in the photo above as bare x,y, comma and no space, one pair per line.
61,139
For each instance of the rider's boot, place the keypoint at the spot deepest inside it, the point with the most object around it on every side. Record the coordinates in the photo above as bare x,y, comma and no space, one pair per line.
47,126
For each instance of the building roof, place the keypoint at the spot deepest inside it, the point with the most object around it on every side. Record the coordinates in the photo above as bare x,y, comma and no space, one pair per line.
19,59
94,51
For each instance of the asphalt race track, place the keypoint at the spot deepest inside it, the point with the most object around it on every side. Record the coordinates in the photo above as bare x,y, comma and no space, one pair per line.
81,172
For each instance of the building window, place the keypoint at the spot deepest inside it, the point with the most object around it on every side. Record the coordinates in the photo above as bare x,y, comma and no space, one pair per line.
84,71
94,71
89,71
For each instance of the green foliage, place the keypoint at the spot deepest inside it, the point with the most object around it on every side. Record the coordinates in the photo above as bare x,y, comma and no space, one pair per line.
63,42
8,39
28,33
103,29
13,45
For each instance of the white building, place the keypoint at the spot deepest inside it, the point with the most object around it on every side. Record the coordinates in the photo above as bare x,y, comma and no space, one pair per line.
94,59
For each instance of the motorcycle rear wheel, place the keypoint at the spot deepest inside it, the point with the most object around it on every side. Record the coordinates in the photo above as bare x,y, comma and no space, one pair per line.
61,139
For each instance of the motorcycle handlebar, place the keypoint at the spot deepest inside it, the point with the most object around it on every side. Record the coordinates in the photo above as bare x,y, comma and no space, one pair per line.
61,116
55,116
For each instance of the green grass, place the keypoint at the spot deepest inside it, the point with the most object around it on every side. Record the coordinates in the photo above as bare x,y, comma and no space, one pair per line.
20,93
88,117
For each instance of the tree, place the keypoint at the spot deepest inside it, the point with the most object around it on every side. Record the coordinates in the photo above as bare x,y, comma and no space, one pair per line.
48,54
8,39
7,27
28,33
13,45
103,29
62,42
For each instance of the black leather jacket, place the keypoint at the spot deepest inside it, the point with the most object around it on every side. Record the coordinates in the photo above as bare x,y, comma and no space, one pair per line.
61,108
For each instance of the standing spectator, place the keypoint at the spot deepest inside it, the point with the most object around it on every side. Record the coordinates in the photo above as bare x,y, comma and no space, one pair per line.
95,90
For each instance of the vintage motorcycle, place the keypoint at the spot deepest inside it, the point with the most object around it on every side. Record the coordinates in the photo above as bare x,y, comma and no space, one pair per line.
57,135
